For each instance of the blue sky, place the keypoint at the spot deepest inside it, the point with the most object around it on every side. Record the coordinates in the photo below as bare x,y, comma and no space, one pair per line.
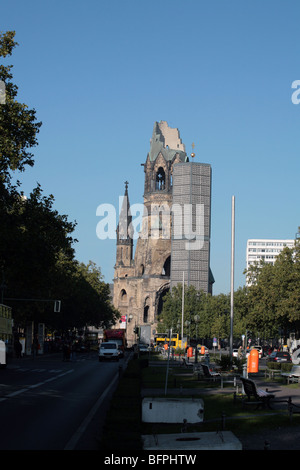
99,74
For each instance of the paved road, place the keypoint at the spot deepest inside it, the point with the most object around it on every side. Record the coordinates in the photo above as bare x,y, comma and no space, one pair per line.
49,404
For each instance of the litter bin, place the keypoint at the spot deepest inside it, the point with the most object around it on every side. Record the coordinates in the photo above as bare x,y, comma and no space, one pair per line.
190,352
253,360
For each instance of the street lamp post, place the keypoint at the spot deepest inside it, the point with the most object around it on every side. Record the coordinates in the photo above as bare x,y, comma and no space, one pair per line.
197,319
187,323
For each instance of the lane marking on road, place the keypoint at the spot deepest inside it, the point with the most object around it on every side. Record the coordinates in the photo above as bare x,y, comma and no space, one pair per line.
82,428
39,384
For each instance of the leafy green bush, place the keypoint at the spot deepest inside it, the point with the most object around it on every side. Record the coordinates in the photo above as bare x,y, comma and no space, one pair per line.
286,366
226,362
274,365
179,352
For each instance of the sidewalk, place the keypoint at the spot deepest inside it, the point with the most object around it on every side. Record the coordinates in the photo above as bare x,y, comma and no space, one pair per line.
12,360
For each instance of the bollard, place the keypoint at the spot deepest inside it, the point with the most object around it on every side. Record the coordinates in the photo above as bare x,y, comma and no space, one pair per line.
223,421
185,426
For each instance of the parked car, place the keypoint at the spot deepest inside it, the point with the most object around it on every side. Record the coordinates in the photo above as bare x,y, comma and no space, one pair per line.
109,350
235,352
279,356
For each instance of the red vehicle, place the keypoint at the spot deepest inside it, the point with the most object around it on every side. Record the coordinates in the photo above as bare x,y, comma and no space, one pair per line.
118,336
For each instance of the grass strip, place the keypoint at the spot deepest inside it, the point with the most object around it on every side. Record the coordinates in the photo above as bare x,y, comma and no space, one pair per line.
220,409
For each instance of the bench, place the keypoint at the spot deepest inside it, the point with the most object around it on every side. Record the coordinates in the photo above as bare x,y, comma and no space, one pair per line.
293,375
261,397
229,379
272,373
292,408
208,374
187,364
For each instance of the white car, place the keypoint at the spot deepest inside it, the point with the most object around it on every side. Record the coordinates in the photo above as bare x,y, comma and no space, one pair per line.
235,353
109,350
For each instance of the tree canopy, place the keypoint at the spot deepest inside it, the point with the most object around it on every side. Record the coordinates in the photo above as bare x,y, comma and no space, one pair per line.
269,307
18,124
37,256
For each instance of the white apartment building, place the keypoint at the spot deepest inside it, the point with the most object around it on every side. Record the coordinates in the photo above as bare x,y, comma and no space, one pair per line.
265,250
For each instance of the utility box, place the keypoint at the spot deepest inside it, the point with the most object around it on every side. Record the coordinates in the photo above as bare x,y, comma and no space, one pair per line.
172,410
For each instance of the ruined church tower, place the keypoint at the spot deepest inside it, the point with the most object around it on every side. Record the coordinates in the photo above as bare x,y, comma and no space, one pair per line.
142,280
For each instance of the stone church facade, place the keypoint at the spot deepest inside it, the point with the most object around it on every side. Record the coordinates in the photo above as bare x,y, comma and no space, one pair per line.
141,279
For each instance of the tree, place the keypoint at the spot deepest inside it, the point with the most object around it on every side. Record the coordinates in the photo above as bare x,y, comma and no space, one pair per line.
170,316
31,237
241,312
274,295
195,303
36,242
262,302
85,297
219,316
18,124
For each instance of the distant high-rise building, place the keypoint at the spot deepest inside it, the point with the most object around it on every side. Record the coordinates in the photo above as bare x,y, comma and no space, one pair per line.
265,250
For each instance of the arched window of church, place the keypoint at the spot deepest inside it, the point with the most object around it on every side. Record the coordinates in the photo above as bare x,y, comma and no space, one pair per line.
146,310
166,270
160,182
123,295
146,314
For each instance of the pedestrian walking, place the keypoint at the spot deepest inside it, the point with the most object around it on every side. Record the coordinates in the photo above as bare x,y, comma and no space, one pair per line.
66,352
18,349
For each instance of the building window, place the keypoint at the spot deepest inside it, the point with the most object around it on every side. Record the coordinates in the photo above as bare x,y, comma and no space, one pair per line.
160,182
146,310
123,295
166,270
146,314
